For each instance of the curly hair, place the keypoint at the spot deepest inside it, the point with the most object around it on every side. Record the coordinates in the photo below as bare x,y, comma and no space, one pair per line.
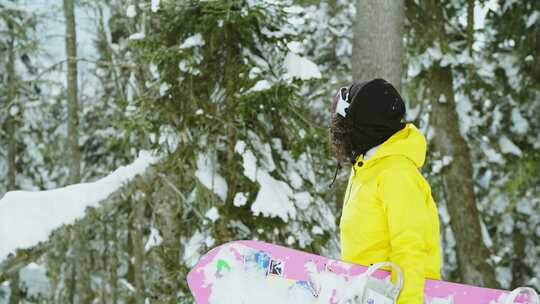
340,138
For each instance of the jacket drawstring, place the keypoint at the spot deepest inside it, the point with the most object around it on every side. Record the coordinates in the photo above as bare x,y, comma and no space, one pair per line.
338,167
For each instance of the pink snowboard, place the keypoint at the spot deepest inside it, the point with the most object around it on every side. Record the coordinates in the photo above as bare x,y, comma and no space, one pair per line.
289,264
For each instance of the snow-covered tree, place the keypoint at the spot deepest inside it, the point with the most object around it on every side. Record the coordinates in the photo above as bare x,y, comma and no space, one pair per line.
488,81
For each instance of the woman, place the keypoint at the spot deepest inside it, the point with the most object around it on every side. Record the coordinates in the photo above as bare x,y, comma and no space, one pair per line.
388,212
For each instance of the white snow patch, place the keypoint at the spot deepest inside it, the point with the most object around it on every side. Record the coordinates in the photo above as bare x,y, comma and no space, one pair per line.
212,214
266,161
254,72
192,41
295,47
300,67
296,21
442,98
294,9
519,124
240,199
443,213
136,36
525,207
249,160
435,52
273,198
261,85
492,155
127,284
130,11
154,6
168,137
485,234
295,178
504,276
317,230
468,118
438,165
191,249
303,200
34,278
532,19
207,174
485,179
154,239
163,88
481,11
508,147
290,240
240,226
28,217
14,110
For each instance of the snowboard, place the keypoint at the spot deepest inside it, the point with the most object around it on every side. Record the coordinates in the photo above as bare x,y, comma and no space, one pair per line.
269,272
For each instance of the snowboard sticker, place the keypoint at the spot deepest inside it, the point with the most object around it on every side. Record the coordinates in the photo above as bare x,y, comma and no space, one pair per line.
259,272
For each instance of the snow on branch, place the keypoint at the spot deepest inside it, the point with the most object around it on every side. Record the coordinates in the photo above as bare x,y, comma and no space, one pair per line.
28,217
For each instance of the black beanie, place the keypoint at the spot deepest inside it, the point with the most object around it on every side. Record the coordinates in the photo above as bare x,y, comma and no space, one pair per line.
376,112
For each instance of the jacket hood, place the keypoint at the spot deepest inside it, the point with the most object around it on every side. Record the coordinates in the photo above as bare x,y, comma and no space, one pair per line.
409,142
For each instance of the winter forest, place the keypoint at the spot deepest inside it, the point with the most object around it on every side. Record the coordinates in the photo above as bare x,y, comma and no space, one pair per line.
136,135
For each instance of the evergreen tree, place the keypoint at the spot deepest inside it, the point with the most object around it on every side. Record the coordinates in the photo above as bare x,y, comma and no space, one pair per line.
431,34
510,81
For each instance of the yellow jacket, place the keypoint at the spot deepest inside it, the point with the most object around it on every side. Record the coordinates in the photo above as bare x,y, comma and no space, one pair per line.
389,213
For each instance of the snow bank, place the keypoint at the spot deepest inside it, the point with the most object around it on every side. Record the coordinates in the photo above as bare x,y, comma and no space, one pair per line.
28,217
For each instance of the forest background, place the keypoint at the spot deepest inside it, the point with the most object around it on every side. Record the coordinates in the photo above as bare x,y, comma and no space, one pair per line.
231,99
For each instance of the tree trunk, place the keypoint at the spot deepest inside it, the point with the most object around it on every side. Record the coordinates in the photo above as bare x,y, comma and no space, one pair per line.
470,24
378,41
73,105
82,256
10,121
15,292
114,260
70,278
138,251
520,269
458,182
104,260
233,55
12,148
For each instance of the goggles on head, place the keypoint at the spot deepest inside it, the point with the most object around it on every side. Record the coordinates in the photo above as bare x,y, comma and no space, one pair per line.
340,102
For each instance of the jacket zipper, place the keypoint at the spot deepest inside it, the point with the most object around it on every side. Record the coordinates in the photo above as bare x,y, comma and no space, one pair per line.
361,163
349,187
